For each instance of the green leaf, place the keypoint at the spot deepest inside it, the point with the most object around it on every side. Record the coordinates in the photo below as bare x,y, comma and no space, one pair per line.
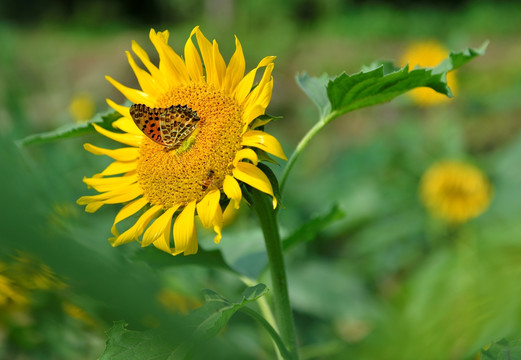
264,156
458,59
157,259
350,92
315,89
503,350
217,310
262,120
309,230
388,66
72,129
207,321
213,316
123,344
244,251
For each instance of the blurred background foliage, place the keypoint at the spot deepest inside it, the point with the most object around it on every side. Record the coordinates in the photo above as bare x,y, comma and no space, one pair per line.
374,275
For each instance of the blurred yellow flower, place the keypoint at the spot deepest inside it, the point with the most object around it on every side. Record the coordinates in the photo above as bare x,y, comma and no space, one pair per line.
10,294
174,186
82,107
455,191
32,274
21,276
177,302
428,54
77,313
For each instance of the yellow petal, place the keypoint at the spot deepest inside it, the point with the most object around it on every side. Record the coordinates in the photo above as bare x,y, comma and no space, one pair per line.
263,141
258,95
219,66
121,195
218,224
170,64
163,242
163,35
111,183
146,82
136,96
257,108
235,70
185,236
207,53
260,122
246,154
123,110
122,154
128,139
265,95
127,125
229,214
157,229
232,190
128,210
207,207
84,200
193,60
137,229
253,176
118,167
244,86
152,69
251,113
93,206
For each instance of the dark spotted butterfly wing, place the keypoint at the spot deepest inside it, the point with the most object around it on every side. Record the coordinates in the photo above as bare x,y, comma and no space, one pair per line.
166,126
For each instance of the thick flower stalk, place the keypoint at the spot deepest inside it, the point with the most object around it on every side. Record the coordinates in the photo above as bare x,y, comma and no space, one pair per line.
169,189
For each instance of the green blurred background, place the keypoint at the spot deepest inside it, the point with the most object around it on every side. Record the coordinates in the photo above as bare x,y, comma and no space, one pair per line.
378,277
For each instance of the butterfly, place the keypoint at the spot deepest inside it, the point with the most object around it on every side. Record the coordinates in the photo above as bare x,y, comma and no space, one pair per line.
169,127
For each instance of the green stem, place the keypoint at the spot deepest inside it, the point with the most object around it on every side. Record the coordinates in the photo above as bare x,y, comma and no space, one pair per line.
273,333
283,313
303,143
266,313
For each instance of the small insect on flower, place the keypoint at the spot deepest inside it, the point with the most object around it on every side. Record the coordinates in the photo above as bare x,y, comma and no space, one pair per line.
209,180
169,127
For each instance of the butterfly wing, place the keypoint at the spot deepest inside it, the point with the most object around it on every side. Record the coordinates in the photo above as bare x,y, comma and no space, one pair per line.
177,123
148,121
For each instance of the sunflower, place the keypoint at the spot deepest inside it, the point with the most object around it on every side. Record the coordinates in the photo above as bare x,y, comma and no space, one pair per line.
198,179
82,107
455,191
429,53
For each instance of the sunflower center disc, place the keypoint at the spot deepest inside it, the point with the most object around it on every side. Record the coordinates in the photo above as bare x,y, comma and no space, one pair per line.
201,163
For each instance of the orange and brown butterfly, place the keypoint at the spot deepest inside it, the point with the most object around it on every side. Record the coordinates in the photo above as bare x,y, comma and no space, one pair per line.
169,127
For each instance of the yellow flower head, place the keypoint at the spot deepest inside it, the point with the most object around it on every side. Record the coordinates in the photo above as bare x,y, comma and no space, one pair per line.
165,186
455,191
428,54
178,302
24,274
82,107
10,293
